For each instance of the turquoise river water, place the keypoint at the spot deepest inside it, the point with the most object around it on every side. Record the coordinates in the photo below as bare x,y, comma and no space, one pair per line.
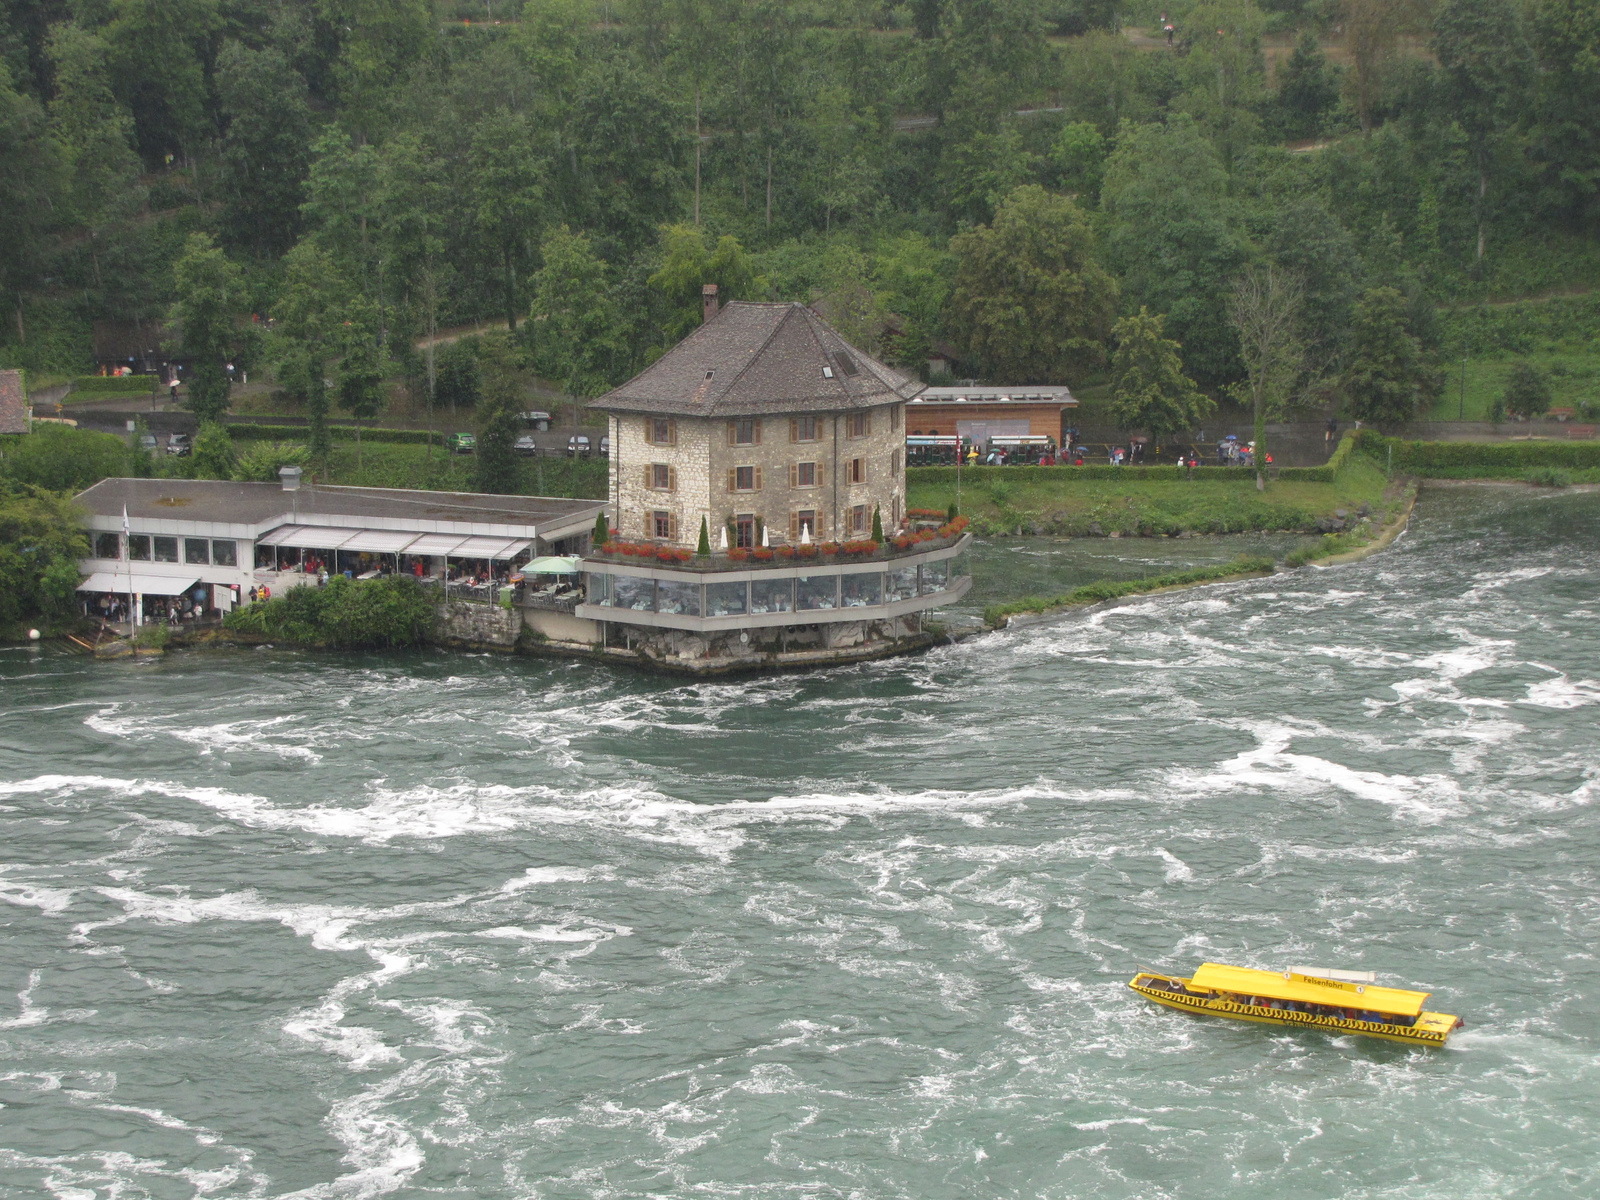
280,924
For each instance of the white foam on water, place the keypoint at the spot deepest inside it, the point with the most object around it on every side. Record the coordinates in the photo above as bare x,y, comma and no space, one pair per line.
50,901
1562,692
538,876
555,933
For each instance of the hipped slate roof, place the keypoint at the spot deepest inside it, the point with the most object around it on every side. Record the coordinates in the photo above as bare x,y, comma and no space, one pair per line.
13,403
752,359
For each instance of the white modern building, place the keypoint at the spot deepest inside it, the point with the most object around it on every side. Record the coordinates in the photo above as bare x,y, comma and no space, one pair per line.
210,541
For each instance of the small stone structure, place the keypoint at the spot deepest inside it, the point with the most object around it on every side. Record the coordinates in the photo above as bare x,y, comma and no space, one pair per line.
487,626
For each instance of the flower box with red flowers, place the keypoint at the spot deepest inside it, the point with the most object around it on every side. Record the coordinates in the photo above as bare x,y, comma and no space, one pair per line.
738,554
762,554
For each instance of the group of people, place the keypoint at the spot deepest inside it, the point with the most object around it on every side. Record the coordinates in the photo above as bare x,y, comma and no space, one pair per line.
1299,1006
1234,453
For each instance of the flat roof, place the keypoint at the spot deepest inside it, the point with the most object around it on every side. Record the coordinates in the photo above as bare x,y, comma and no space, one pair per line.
1307,989
215,501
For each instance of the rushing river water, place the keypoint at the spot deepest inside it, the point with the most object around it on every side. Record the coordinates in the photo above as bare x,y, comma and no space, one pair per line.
468,927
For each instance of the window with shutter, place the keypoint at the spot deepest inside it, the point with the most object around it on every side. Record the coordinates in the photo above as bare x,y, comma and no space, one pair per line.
660,477
746,431
858,470
661,524
803,429
805,474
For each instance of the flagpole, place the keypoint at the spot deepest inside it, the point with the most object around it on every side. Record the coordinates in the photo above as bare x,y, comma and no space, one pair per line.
127,558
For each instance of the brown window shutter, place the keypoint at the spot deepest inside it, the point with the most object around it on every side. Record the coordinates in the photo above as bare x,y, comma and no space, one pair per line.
733,432
733,479
794,475
866,424
672,479
672,432
758,479
755,434
649,474
819,474
672,527
794,527
794,429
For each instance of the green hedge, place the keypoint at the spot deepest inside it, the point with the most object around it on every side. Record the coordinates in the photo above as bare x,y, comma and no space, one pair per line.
1445,460
244,431
1112,589
119,385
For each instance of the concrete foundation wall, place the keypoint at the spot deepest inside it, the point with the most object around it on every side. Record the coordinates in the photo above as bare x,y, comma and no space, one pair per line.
480,625
561,627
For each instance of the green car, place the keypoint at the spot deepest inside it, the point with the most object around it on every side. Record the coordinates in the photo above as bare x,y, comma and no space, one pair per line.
463,443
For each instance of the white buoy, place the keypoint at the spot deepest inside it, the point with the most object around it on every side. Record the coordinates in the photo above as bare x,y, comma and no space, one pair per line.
33,635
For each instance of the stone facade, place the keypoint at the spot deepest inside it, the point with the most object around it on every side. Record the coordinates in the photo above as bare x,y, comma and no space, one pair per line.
758,468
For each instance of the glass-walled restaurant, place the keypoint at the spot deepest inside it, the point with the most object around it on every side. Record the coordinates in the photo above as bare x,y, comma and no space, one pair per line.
842,591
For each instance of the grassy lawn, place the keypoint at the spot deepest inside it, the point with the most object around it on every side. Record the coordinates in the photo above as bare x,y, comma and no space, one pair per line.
1574,379
1064,505
403,466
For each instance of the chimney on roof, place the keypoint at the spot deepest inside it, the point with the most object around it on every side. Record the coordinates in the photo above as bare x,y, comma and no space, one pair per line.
708,300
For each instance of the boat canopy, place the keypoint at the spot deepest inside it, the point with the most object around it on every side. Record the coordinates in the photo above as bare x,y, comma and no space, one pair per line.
1307,989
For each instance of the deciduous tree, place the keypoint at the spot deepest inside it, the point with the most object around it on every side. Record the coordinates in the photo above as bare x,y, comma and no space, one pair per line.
573,323
1030,301
211,296
1266,311
1527,393
1149,389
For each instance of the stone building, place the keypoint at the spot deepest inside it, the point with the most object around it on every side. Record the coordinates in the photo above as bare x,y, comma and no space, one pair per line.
784,440
762,420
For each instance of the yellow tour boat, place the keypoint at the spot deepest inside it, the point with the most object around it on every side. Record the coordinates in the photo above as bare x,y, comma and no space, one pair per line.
1311,997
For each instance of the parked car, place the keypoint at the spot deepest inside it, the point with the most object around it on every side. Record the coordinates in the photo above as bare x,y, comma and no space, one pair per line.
463,443
526,446
577,446
180,444
605,447
536,420
148,442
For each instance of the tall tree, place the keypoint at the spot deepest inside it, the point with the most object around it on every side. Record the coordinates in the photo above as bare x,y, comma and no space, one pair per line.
1171,236
1308,88
361,367
1372,27
95,135
573,322
266,146
507,182
29,180
1030,301
159,55
308,331
1527,393
1265,310
497,416
1149,389
1386,377
211,296
1566,40
1484,58
688,263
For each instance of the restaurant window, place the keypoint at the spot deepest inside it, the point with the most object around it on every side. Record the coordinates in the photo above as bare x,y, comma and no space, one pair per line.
597,588
803,475
858,470
662,431
803,521
744,530
746,431
902,583
139,547
935,576
802,429
636,594
744,479
661,478
196,551
167,549
817,591
107,545
858,425
225,552
678,597
663,525
858,519
771,595
726,599
861,591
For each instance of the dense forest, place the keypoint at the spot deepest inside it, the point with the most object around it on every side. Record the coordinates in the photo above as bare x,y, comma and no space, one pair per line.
1288,192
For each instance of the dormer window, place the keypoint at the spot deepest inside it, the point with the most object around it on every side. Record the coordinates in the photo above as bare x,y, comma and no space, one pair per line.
846,363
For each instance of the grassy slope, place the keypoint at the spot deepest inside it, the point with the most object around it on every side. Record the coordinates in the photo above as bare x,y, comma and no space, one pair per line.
1068,506
1574,377
386,465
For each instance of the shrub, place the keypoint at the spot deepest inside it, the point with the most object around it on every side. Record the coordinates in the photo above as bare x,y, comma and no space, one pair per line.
1111,589
1468,460
62,458
260,463
345,615
1548,477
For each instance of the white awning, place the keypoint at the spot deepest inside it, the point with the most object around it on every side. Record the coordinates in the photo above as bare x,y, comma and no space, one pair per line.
435,543
308,537
147,585
380,541
490,547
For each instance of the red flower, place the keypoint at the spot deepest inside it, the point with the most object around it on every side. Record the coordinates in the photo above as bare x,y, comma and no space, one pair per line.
738,554
807,550
785,551
830,547
762,553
